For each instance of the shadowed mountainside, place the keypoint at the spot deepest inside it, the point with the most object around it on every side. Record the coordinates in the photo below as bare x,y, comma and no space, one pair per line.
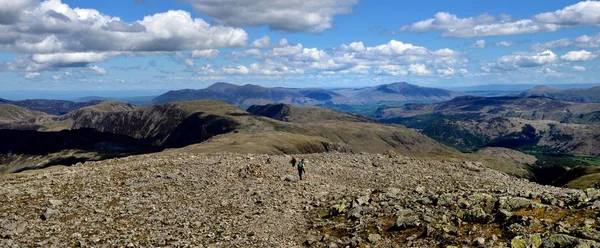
294,113
212,125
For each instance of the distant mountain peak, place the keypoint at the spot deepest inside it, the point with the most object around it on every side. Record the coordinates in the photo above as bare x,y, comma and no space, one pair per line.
221,85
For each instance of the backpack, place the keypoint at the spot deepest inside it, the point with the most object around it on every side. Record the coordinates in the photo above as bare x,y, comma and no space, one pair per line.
301,165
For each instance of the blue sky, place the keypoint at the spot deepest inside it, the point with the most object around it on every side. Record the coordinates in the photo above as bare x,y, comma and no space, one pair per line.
81,45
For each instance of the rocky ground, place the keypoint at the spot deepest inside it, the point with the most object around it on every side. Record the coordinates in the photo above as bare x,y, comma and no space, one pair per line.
229,200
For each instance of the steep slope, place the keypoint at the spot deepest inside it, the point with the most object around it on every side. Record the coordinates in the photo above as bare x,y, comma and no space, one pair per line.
54,107
573,95
294,113
346,200
13,113
215,124
15,117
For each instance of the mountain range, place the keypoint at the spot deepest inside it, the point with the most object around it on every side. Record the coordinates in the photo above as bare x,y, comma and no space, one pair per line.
563,135
575,95
247,95
55,107
114,129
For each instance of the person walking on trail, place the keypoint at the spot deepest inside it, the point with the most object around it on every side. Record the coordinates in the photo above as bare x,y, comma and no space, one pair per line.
293,161
301,170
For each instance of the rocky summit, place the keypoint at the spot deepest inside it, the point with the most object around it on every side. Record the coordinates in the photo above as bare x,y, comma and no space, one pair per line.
346,200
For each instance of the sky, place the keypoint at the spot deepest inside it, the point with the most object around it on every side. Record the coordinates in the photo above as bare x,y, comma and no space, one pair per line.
137,45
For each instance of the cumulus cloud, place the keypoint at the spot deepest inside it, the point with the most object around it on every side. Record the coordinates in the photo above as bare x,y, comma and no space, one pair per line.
283,42
578,68
353,47
578,56
525,60
479,44
446,71
484,44
394,58
392,70
208,53
551,45
285,15
11,11
584,41
418,69
505,43
263,42
98,69
31,75
240,69
51,34
584,13
581,14
588,41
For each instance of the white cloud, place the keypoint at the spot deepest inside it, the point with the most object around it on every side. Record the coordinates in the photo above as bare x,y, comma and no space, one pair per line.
584,41
392,70
283,42
354,47
484,44
578,56
578,68
263,42
395,47
208,53
240,69
525,60
286,15
51,34
551,45
551,72
446,72
584,13
311,54
419,69
505,43
483,25
98,69
31,75
287,50
253,52
588,41
394,58
479,44
68,59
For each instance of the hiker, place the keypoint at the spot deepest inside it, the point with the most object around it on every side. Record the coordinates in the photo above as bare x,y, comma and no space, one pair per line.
293,161
301,168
